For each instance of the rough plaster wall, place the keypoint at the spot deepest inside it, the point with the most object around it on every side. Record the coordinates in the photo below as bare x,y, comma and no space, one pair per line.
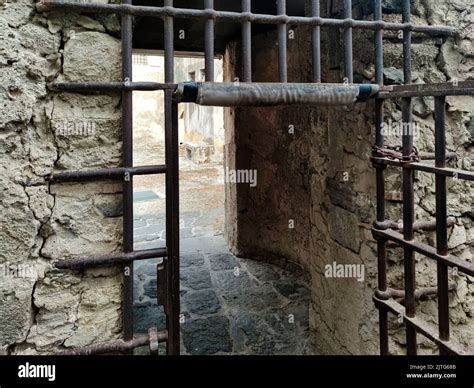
322,178
41,223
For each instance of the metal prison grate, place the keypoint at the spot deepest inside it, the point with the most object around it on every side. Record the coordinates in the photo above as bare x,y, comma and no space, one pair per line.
405,157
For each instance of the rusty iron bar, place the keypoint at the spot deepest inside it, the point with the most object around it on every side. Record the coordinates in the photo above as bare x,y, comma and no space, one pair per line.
408,189
441,214
127,151
348,54
316,42
119,346
429,225
282,42
419,166
420,293
172,223
380,180
160,12
170,268
108,86
426,250
461,88
246,43
110,259
209,43
419,326
432,155
379,34
169,44
104,173
443,171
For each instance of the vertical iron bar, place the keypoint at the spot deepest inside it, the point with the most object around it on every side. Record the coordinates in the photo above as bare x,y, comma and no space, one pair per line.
441,219
172,195
348,57
246,44
380,181
316,39
209,44
378,16
169,44
282,43
408,189
172,221
127,150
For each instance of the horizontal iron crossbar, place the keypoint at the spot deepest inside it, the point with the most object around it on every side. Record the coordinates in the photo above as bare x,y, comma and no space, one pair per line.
419,325
419,166
424,249
162,12
432,155
109,259
464,88
109,86
420,293
417,226
105,173
118,345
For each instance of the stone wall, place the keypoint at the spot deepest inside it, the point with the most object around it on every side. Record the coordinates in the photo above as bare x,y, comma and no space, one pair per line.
44,309
315,199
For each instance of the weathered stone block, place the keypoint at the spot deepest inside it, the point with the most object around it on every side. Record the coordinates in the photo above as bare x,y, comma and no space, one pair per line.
92,56
344,228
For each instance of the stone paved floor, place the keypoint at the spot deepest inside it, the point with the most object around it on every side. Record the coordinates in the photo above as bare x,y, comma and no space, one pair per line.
230,305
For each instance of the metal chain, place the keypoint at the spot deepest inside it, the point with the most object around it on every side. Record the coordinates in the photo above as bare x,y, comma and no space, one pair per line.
395,153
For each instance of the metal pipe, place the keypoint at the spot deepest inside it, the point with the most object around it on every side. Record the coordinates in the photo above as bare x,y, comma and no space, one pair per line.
282,43
110,259
127,150
104,173
316,40
271,94
161,12
441,215
209,43
247,43
348,56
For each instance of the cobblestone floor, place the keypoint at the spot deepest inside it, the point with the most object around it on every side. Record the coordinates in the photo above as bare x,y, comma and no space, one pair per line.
230,305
